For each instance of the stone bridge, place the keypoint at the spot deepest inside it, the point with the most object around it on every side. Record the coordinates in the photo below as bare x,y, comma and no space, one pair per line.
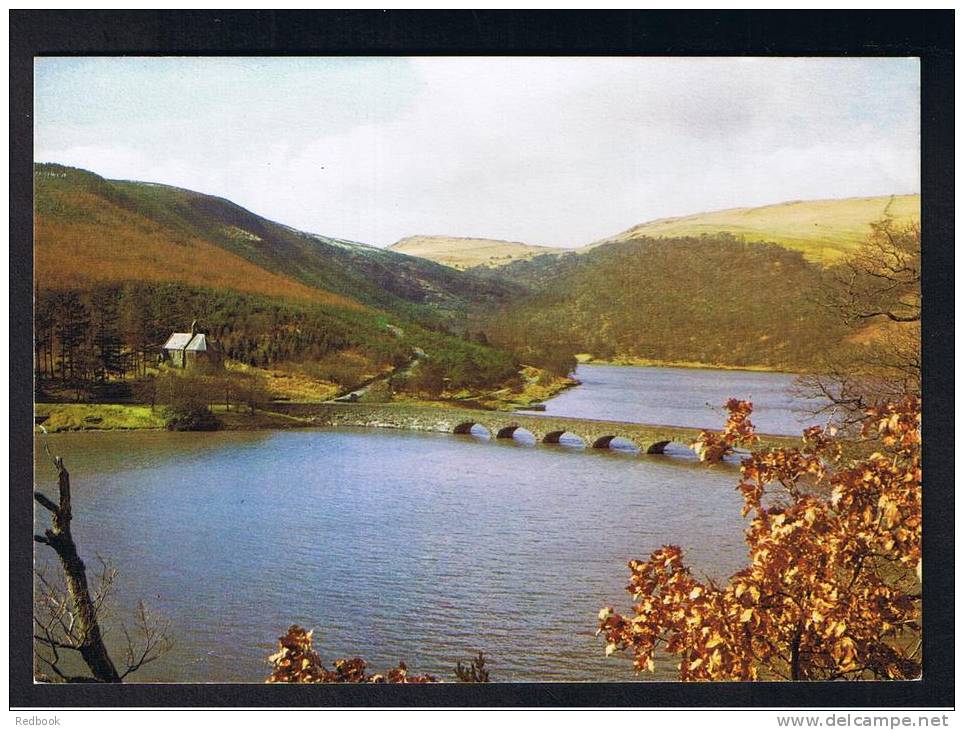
649,439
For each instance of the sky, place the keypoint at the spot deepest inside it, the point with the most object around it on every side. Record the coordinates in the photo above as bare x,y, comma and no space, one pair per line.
551,151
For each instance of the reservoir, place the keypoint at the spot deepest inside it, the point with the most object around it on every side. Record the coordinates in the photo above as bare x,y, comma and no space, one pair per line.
682,397
396,545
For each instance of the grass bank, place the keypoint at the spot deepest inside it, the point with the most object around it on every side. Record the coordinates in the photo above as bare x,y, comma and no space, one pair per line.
60,417
290,387
241,419
97,417
537,386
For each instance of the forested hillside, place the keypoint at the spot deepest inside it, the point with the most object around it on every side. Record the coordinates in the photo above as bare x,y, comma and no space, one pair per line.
105,332
713,300
120,265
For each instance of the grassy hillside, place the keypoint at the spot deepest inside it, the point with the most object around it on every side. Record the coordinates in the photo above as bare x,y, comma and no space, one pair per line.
87,233
94,230
712,300
822,229
465,253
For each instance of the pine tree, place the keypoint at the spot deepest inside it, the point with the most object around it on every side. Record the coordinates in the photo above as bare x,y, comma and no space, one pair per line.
72,327
134,321
106,336
43,324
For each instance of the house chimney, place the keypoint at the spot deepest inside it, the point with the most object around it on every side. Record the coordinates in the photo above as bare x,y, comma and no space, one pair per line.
193,328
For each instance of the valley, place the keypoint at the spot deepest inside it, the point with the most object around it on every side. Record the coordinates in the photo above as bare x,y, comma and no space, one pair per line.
307,317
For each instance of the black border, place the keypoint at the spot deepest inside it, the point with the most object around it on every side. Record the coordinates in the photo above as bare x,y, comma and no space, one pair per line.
927,34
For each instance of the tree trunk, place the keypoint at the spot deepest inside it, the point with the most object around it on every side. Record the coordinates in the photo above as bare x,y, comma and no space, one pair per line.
795,670
58,537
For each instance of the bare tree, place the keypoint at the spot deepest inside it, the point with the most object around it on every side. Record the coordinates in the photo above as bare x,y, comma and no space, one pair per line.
67,613
881,279
877,292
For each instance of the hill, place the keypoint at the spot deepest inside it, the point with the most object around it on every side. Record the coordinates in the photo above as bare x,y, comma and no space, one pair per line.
93,230
465,253
88,232
822,229
119,265
158,256
713,300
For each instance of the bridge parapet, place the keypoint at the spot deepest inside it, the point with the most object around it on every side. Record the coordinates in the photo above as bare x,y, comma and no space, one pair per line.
651,439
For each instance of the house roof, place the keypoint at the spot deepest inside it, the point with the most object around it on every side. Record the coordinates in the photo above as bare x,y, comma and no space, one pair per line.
177,341
185,341
198,344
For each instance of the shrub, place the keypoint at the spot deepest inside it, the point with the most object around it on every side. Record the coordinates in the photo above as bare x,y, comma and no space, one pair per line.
185,398
297,663
198,418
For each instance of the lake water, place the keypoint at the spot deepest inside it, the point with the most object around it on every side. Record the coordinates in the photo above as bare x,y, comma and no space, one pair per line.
396,545
681,397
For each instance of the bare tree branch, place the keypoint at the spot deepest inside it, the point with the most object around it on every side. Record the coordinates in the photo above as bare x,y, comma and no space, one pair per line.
877,291
67,616
47,503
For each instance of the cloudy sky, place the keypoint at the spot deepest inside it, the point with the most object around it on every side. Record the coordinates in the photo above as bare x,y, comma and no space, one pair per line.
553,151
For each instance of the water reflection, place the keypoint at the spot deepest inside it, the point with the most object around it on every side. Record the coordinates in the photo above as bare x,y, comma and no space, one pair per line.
106,451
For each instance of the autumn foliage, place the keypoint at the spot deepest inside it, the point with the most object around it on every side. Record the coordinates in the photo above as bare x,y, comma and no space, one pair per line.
297,663
738,430
832,589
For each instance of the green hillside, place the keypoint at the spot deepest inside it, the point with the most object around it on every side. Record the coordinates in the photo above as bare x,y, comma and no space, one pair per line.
822,229
713,300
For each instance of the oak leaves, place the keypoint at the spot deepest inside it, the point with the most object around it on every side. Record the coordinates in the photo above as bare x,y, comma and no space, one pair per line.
832,586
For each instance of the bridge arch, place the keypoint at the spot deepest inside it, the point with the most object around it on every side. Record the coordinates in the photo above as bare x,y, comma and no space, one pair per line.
616,442
507,432
473,428
674,448
556,437
515,434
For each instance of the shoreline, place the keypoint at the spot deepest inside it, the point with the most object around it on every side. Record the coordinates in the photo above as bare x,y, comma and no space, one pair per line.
120,418
116,417
412,417
643,362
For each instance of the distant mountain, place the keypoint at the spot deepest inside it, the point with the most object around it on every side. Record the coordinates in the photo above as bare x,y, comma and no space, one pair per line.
92,230
465,253
822,229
